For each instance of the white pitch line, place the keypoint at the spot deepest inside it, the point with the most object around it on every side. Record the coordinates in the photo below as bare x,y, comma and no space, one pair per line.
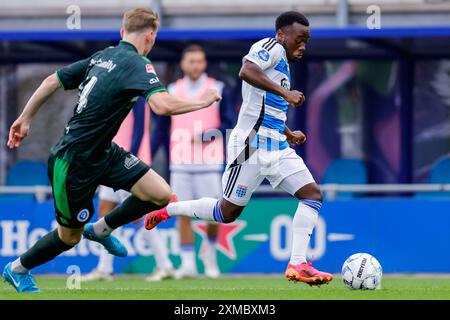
8,290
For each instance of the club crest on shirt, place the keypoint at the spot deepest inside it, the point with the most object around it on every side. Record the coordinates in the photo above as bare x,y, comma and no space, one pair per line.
149,68
263,55
241,190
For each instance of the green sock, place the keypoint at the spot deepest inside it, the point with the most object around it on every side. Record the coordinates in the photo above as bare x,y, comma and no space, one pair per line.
45,249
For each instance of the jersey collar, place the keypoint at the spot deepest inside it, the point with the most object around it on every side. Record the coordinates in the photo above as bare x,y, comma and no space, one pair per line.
127,44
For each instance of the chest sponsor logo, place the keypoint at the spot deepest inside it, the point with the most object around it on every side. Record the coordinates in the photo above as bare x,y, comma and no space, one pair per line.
131,161
285,84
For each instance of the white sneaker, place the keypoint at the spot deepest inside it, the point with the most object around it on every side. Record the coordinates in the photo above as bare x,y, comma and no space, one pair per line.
210,263
212,271
96,275
161,274
186,272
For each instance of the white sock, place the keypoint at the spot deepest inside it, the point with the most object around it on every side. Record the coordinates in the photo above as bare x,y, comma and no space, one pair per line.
105,262
101,229
160,251
210,251
303,224
210,246
203,208
17,267
188,259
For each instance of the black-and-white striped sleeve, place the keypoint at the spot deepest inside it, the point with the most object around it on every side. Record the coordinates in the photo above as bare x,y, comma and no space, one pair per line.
269,44
234,173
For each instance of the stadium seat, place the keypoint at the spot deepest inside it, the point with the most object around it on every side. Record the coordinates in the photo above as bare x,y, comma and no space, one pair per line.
345,171
440,173
25,173
28,173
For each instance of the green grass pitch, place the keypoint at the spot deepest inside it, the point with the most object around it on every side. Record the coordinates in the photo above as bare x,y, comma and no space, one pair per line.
235,288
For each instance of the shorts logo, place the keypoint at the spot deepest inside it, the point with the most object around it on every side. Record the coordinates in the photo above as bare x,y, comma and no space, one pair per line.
241,190
83,215
131,161
264,55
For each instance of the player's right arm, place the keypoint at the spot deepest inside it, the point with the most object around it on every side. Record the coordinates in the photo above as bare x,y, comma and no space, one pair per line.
163,103
254,75
68,77
259,59
143,78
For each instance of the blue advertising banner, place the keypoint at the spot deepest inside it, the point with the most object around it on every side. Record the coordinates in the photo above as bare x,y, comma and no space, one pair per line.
405,235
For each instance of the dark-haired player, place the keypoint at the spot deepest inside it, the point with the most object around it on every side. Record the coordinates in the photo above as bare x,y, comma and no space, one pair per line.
258,147
109,83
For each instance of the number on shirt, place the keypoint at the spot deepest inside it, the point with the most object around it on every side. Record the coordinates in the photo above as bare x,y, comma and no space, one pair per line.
85,93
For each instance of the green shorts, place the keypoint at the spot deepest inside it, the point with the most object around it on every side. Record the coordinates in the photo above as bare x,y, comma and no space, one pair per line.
74,184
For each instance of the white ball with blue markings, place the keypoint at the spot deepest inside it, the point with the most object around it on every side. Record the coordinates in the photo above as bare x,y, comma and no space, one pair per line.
361,271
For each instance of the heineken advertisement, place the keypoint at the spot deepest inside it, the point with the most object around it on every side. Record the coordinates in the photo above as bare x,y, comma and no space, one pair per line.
260,240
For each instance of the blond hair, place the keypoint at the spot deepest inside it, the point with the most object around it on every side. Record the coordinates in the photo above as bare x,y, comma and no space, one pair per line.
140,19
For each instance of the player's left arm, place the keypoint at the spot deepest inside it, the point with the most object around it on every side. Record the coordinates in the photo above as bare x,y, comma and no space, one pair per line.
254,75
294,138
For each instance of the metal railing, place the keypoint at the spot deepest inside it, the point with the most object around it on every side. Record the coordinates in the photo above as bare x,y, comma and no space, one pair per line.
42,193
330,190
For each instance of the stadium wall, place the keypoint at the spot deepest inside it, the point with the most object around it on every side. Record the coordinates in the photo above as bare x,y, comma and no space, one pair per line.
259,242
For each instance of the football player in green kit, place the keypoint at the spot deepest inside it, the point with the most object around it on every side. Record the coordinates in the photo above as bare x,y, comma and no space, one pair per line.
109,83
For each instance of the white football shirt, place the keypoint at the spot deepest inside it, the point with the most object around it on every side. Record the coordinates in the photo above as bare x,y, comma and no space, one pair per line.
264,111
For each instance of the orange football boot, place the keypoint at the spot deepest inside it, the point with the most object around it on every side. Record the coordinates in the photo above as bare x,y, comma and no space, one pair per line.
304,272
154,218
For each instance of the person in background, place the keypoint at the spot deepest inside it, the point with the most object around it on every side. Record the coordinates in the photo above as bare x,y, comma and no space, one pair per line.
196,153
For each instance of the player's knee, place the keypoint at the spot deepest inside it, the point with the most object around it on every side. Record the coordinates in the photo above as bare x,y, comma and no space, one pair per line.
229,212
161,198
310,192
229,218
318,195
166,195
231,215
71,239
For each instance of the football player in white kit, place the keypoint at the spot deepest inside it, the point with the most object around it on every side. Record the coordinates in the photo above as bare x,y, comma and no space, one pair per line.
258,147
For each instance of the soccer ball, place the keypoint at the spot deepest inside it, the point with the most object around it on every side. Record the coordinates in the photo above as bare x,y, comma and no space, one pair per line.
362,271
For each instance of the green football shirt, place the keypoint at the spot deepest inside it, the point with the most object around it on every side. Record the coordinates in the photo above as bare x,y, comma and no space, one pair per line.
109,83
